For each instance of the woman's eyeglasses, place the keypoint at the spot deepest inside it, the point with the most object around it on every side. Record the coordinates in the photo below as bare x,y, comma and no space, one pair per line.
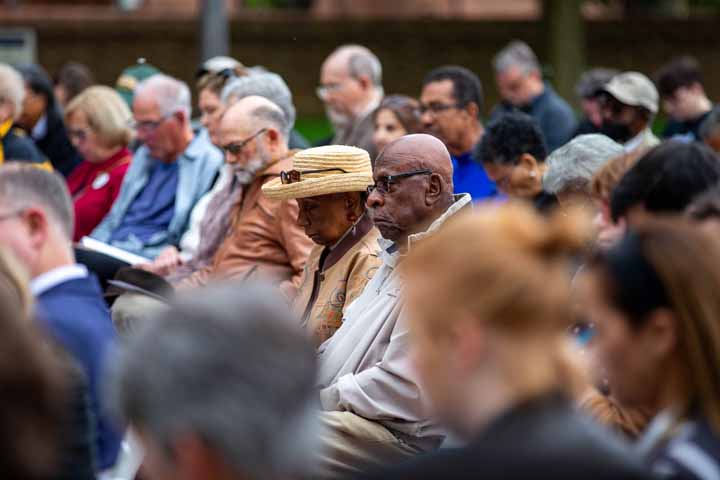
294,176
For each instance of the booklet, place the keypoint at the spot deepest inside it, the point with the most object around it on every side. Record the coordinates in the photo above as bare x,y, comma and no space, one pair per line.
109,250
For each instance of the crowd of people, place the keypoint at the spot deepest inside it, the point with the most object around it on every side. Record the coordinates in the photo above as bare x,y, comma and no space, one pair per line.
421,295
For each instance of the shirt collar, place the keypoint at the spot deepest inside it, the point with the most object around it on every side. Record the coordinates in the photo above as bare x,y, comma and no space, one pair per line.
635,142
40,129
390,250
51,279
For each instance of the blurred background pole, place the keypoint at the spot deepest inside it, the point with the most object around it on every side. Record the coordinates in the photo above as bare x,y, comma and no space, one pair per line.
214,36
566,43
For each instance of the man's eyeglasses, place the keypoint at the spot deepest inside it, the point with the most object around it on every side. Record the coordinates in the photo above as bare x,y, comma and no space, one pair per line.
324,90
382,184
9,215
437,107
235,148
294,176
147,125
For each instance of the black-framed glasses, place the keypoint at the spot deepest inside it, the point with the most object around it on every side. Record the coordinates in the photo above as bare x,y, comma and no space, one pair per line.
437,107
382,184
294,176
9,215
235,148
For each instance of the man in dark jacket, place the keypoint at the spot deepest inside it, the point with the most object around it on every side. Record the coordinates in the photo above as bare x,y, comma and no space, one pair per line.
42,119
36,217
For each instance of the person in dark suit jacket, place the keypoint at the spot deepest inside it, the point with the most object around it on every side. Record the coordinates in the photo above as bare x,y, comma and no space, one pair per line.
36,225
42,119
492,359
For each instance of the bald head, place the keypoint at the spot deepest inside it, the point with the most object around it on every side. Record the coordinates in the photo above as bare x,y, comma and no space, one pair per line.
418,152
413,187
254,118
256,112
359,62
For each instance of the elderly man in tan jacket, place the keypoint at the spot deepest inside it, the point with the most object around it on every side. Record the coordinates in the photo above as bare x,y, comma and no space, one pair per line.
330,184
264,240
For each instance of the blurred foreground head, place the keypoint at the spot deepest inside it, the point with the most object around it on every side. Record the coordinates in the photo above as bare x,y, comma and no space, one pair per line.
494,311
220,386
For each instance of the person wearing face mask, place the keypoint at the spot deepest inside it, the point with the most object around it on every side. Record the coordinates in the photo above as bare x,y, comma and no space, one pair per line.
513,152
629,103
520,83
351,88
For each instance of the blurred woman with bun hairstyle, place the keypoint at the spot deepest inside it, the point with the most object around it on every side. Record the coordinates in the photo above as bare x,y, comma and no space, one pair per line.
488,301
656,309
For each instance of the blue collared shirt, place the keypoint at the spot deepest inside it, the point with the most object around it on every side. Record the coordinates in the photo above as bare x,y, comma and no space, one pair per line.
197,169
469,176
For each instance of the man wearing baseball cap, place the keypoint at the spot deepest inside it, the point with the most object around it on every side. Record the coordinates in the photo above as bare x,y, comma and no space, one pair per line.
629,104
330,185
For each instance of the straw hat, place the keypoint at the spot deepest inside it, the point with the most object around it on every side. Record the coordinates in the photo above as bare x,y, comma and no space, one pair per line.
355,161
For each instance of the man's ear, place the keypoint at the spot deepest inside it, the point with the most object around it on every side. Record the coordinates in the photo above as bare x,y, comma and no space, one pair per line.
472,110
528,162
273,136
435,189
37,224
365,82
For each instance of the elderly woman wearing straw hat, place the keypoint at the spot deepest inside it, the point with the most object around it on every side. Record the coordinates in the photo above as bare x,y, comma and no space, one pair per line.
330,185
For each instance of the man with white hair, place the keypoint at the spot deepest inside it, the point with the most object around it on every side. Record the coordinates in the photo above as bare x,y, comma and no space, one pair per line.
521,86
351,89
570,168
255,236
168,174
15,146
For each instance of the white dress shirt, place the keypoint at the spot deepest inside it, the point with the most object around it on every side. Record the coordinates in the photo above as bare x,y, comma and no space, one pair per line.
45,281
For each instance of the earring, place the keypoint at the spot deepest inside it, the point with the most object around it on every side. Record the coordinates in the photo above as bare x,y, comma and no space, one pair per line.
532,174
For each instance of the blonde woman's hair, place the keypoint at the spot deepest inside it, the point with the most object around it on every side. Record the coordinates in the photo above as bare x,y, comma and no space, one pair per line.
509,268
107,114
14,281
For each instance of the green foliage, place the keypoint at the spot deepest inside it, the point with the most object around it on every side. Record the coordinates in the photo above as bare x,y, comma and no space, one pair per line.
313,128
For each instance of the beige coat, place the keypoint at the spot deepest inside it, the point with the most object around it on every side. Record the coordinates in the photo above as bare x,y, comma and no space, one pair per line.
325,292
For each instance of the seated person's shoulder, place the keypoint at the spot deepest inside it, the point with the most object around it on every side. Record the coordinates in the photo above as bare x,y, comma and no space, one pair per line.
19,147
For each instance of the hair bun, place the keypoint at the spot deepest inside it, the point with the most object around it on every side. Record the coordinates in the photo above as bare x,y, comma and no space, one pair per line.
567,232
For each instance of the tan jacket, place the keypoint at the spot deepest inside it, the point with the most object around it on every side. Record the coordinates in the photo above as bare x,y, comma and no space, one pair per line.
265,240
325,292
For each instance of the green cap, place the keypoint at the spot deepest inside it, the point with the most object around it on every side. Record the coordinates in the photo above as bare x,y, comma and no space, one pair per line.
131,76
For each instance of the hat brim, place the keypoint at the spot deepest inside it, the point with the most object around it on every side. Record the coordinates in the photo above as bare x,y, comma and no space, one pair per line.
314,187
628,99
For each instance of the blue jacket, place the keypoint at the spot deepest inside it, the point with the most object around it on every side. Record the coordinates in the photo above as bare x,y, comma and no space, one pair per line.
75,314
198,167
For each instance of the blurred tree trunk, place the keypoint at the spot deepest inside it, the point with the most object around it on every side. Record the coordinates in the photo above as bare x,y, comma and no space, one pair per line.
214,36
566,43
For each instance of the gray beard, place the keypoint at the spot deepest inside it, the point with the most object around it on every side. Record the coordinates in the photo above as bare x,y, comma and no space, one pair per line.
339,121
247,173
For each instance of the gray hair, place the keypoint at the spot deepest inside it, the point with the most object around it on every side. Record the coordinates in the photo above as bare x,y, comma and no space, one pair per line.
262,84
271,115
365,62
171,94
572,166
24,186
12,88
229,364
516,54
